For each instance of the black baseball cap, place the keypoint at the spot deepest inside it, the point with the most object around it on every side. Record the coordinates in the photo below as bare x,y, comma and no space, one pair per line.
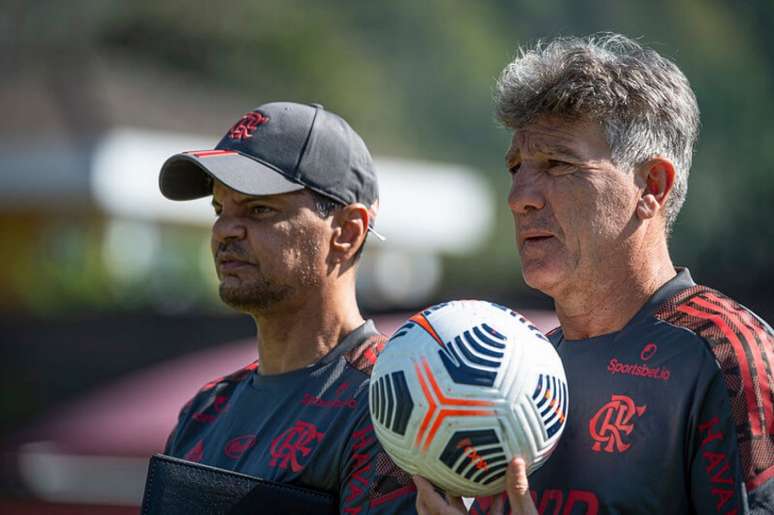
279,147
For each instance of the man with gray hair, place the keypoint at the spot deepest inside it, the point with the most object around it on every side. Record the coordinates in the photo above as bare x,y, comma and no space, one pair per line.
671,404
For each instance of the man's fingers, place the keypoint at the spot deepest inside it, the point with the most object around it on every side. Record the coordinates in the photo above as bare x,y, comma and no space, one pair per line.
456,503
425,493
518,488
516,476
498,506
430,502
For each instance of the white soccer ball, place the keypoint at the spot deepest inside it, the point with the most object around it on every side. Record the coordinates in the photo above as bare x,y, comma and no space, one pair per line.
463,387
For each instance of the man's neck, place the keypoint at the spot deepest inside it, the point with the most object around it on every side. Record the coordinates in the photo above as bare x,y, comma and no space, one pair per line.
606,304
296,338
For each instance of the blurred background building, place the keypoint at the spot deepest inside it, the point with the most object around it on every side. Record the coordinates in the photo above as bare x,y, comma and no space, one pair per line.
109,315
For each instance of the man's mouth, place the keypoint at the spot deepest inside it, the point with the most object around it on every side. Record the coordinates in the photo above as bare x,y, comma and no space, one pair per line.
231,264
536,238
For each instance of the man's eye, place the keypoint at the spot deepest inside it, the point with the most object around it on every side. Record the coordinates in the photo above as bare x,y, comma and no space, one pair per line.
514,168
556,167
260,210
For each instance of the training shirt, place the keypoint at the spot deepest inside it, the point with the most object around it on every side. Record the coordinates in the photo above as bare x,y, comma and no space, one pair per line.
670,415
310,427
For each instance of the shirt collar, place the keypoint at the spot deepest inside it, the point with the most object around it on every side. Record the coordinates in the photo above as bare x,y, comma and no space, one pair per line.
366,330
678,283
669,289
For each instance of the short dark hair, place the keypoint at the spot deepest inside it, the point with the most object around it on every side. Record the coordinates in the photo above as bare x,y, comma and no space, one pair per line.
325,207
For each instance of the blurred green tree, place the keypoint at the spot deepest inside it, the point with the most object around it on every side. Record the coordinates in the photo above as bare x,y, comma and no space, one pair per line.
416,79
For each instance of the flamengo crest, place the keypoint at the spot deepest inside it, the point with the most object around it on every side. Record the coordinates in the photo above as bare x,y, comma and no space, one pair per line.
612,421
246,125
294,443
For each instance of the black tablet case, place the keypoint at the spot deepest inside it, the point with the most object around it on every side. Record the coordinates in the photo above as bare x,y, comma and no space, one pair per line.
180,487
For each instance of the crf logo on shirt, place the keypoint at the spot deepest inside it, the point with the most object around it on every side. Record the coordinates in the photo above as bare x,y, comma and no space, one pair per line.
612,421
246,125
295,441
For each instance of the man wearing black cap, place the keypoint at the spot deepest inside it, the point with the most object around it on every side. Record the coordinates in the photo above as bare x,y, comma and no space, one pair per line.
295,194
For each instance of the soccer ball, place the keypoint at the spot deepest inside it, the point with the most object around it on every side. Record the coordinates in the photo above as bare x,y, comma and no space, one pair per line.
463,387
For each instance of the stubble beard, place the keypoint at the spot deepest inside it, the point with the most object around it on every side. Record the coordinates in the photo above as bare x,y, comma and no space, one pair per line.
256,296
261,294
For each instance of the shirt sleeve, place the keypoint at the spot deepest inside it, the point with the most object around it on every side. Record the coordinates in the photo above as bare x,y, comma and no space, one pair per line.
743,345
372,483
759,473
716,478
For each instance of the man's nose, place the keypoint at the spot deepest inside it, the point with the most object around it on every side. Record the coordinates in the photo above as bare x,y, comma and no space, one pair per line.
228,227
526,192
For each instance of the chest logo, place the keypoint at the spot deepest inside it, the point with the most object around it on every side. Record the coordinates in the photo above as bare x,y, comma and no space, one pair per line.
294,444
314,400
614,420
648,351
642,369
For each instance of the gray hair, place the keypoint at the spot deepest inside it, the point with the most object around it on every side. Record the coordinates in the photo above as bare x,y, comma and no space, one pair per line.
643,101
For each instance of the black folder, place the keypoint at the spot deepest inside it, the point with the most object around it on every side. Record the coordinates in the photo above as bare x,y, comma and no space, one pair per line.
180,487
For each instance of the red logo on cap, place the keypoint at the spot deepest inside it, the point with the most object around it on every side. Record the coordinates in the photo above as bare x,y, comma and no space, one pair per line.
246,125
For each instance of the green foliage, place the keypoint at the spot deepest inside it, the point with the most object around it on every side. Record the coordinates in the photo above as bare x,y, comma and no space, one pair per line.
416,79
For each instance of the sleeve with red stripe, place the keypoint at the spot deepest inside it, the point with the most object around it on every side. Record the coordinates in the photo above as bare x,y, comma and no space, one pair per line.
372,482
743,346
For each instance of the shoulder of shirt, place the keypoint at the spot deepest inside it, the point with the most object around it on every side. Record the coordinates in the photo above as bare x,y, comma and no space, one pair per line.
362,356
234,377
217,386
718,320
743,347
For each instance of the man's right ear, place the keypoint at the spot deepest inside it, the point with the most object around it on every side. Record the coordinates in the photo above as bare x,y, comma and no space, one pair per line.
350,230
658,175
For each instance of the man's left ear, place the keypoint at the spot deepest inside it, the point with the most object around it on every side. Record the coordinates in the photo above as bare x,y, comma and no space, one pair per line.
658,176
351,229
